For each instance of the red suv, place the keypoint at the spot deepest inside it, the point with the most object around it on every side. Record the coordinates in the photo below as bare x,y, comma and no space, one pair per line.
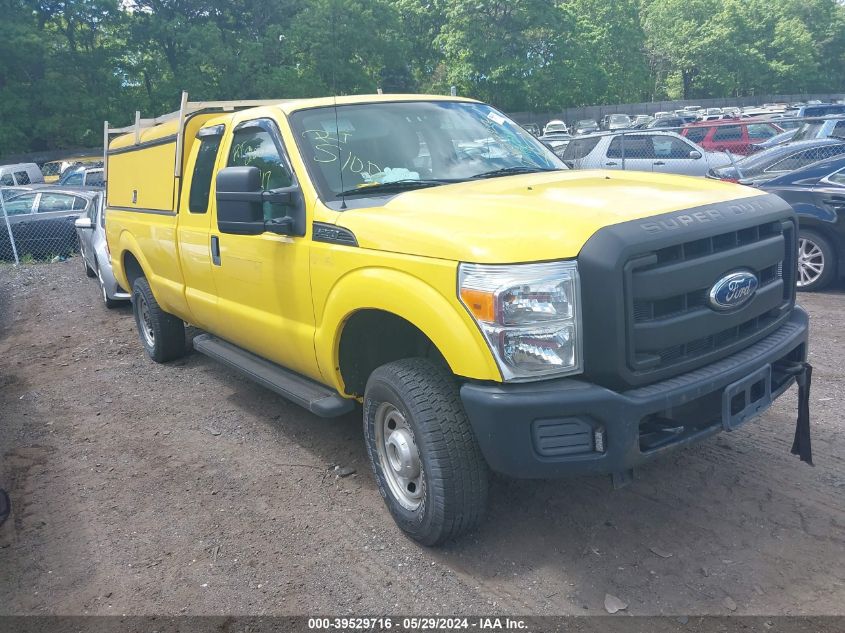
735,136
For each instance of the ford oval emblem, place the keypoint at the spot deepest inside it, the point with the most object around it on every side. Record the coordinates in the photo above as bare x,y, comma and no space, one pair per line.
733,290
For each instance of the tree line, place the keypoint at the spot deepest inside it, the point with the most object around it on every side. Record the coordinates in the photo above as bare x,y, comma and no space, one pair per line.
66,65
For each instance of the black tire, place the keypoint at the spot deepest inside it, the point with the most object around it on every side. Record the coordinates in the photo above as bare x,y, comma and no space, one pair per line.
109,303
824,256
453,473
161,334
89,272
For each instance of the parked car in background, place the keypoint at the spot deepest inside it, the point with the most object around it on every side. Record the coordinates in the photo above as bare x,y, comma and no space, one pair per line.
779,160
657,151
82,176
585,126
615,122
666,122
640,121
732,136
55,169
42,222
52,170
533,129
91,232
20,174
556,141
821,109
817,194
810,129
555,125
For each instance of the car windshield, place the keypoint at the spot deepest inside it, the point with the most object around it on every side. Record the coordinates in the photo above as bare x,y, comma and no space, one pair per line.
433,142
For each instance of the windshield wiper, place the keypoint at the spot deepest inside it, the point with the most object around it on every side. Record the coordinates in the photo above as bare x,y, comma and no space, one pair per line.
396,186
508,171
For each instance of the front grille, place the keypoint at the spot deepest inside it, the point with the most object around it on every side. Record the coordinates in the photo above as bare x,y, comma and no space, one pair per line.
669,322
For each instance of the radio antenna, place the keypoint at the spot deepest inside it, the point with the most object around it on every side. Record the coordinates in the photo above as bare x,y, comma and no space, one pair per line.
336,123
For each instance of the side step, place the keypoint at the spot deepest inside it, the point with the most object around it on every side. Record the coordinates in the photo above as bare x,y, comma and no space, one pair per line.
317,398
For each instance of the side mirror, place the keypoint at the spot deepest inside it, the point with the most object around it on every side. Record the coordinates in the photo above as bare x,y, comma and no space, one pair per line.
241,200
83,223
695,154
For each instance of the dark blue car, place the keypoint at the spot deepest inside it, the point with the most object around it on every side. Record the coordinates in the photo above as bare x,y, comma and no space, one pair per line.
817,194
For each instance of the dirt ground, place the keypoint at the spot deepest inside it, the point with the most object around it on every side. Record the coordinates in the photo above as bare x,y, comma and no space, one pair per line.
169,489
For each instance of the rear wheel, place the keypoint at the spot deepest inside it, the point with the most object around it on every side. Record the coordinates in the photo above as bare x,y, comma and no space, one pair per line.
161,334
816,260
422,449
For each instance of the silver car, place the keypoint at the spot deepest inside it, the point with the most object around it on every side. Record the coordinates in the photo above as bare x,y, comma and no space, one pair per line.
648,150
91,229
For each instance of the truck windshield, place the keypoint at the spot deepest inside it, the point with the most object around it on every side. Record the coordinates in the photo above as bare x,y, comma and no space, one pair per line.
367,145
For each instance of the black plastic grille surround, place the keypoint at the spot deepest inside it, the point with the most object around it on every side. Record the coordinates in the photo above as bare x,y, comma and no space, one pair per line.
645,285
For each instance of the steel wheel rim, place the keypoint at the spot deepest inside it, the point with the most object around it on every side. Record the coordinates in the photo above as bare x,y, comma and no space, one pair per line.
145,321
810,262
399,456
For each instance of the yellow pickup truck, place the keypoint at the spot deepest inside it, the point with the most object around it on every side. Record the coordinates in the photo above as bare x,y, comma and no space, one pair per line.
426,257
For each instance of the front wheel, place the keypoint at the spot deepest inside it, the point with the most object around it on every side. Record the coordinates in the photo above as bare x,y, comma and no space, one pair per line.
161,334
423,451
816,260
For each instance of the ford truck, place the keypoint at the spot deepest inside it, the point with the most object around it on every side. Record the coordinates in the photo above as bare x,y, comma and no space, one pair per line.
426,261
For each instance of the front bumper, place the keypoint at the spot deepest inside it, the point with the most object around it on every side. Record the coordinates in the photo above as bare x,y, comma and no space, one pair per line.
565,427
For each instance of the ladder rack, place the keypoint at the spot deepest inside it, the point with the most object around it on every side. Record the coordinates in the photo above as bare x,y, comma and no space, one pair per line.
186,108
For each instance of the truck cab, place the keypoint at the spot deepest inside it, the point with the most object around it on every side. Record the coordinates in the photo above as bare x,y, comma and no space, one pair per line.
424,260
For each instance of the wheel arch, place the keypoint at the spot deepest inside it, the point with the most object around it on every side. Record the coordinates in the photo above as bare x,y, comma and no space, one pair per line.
413,313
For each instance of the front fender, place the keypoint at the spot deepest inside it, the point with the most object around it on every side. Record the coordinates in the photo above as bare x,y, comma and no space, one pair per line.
443,320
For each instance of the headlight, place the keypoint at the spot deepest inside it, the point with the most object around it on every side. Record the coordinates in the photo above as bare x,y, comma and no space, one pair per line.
528,314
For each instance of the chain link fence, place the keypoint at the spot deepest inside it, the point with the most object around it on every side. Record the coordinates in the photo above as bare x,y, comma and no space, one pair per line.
748,151
38,223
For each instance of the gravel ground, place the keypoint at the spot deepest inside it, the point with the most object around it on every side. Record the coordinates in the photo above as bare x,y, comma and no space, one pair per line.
147,489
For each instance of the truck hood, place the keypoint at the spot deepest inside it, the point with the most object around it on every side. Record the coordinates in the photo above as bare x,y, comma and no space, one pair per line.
525,218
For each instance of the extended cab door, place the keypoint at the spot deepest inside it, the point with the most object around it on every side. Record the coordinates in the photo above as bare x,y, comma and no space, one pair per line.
197,248
263,282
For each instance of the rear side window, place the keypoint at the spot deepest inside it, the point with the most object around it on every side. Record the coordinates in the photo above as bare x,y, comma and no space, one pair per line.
94,179
6,180
22,177
839,129
55,202
203,173
579,148
728,133
696,134
631,146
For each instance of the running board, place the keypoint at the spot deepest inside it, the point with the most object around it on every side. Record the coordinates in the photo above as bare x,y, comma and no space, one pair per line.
317,398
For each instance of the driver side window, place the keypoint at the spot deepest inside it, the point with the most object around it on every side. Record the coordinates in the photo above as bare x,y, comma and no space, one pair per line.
255,147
